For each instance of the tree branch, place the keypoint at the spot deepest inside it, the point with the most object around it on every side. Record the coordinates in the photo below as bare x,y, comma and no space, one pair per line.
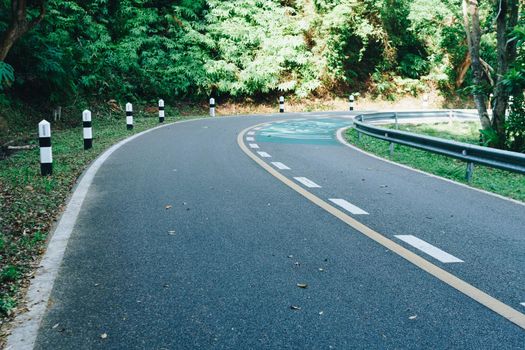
40,16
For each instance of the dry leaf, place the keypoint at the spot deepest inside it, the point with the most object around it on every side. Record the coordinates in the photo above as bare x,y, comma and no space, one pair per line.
103,335
168,206
55,326
412,317
294,307
302,285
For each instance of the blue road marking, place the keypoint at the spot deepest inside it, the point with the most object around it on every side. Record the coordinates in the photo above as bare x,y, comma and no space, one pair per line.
313,131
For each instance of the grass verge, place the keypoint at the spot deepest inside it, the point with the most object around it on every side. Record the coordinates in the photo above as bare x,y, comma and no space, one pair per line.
30,203
502,182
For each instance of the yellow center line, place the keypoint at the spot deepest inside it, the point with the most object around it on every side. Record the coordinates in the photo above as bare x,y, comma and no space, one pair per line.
469,290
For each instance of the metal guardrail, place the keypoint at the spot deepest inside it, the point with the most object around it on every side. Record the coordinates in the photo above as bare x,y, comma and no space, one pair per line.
472,154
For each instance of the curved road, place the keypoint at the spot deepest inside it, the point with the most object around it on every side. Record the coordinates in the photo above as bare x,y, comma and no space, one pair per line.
185,242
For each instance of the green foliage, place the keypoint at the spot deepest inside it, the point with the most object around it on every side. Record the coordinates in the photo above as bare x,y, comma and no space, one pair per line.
185,49
514,82
7,75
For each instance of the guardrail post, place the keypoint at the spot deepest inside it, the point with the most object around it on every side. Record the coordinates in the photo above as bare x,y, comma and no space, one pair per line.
212,107
129,116
161,111
470,169
352,102
397,124
450,116
425,101
46,153
87,129
281,104
390,147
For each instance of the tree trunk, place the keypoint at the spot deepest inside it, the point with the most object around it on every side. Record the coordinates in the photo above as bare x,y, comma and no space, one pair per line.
19,24
506,52
473,31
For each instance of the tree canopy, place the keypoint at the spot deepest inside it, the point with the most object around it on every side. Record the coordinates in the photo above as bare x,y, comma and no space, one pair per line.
189,49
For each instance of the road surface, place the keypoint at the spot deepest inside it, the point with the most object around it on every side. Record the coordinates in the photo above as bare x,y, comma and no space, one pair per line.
188,240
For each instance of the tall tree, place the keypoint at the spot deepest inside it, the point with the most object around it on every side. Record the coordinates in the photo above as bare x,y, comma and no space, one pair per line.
20,23
506,19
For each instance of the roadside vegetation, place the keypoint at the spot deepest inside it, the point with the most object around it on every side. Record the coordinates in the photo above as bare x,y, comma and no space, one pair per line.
502,182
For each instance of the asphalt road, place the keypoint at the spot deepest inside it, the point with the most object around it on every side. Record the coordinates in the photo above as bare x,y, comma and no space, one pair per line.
184,242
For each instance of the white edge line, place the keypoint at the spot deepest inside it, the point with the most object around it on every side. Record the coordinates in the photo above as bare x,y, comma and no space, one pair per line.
429,249
25,326
342,140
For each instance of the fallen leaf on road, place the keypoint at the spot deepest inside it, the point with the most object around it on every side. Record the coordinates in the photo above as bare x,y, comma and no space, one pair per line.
321,269
168,207
171,233
103,335
302,285
412,317
294,307
321,312
55,326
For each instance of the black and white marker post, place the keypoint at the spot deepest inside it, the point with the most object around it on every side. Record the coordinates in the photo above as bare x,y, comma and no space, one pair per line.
352,102
281,104
161,111
87,129
129,116
212,107
46,154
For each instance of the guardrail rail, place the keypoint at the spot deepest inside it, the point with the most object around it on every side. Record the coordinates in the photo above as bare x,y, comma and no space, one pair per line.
471,154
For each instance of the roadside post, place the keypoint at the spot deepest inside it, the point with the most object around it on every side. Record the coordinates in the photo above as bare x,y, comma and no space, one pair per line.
212,107
161,111
129,116
87,129
46,153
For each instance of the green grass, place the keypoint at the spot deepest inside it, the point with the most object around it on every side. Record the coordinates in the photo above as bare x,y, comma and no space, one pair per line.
30,203
502,182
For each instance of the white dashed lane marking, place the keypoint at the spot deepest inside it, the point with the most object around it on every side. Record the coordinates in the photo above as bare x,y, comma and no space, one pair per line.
307,182
250,139
429,249
280,166
251,133
348,206
264,155
254,145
